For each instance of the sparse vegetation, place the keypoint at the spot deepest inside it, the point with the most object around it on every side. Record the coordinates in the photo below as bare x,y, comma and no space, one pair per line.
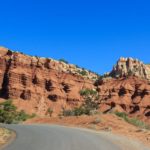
89,93
83,72
64,61
121,114
9,113
5,135
101,78
89,106
94,78
68,112
78,111
91,100
50,111
133,121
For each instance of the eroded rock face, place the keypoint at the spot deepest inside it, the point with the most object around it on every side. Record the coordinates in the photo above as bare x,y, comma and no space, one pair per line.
130,95
130,66
127,88
36,84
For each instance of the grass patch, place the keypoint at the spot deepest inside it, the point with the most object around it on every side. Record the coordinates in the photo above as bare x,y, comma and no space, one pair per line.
9,113
4,135
134,121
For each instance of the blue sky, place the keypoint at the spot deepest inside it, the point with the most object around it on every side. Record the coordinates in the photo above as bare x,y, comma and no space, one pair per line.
92,34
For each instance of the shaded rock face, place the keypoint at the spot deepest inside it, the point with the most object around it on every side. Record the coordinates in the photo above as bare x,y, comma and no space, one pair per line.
36,84
130,95
130,66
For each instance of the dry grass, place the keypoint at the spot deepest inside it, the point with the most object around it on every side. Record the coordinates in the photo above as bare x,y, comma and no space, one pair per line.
4,136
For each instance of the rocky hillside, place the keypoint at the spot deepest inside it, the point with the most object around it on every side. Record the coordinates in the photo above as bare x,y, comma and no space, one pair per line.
126,88
36,84
129,66
127,94
39,84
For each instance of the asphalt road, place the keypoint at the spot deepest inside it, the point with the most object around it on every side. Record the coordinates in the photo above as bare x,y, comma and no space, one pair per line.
53,137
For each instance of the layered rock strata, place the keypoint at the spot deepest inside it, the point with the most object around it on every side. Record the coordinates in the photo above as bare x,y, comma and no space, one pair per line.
38,84
129,66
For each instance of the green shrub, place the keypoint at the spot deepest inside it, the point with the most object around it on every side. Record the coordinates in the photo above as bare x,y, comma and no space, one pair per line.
78,111
83,72
7,117
121,115
88,93
89,107
49,111
68,113
22,116
8,106
94,78
9,113
91,103
64,61
138,123
134,121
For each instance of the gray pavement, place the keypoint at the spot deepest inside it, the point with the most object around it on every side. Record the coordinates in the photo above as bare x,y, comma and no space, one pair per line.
53,137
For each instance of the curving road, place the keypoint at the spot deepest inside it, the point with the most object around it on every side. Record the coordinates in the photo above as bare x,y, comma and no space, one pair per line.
54,137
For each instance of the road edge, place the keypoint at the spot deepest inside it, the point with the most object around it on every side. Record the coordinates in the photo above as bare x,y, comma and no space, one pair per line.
128,143
9,140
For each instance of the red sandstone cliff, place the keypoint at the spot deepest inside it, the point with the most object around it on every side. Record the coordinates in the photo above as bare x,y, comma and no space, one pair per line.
128,94
36,84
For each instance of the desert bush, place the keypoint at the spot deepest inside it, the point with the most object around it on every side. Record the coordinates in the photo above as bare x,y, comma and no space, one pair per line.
89,107
8,106
92,93
78,111
134,121
9,113
50,111
83,72
64,61
68,113
22,116
121,115
91,103
138,123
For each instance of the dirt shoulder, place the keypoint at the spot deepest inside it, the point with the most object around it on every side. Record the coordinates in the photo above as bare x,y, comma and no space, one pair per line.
5,136
108,122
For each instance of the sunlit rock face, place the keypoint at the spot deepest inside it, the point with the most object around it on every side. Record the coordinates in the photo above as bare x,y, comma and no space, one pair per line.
127,94
37,84
130,66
